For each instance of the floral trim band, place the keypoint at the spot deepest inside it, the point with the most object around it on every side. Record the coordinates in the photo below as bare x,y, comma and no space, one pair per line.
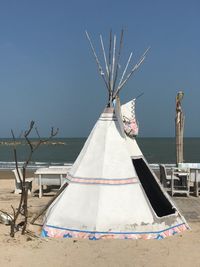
103,181
51,231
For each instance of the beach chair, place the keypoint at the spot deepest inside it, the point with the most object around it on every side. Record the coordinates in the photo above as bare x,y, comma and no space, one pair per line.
180,181
28,183
165,179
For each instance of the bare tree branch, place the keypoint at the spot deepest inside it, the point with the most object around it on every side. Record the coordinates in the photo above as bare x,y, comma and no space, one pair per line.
23,204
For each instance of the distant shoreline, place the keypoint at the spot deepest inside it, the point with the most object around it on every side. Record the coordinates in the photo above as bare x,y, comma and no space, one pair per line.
23,142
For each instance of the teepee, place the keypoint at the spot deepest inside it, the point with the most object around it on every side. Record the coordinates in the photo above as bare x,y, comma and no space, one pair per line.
112,191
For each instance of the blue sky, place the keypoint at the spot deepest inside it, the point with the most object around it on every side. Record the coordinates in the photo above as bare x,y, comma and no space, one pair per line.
48,74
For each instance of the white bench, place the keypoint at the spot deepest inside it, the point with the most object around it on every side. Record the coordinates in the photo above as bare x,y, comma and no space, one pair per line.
51,176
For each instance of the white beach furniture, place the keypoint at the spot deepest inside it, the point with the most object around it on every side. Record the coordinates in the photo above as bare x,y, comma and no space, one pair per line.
18,186
165,179
54,175
177,182
180,181
194,174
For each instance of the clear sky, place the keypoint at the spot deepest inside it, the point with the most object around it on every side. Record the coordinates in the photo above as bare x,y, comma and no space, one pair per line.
48,74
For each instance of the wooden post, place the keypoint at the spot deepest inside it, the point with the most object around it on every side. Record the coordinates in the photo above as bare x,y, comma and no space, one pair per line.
179,122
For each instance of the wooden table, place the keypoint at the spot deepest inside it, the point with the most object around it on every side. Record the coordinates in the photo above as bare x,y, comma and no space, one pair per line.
52,176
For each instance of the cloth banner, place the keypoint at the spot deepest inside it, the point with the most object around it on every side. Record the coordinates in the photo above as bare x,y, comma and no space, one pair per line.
130,123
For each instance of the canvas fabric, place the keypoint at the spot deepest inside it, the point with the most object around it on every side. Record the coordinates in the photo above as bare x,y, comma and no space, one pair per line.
105,198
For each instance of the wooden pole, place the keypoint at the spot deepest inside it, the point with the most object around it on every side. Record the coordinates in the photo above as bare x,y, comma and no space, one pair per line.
135,67
40,212
179,126
97,61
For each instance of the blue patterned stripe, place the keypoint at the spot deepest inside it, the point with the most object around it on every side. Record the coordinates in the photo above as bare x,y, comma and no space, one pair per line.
115,233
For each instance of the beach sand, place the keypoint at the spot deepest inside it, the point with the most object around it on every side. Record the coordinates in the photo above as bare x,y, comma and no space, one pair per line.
179,250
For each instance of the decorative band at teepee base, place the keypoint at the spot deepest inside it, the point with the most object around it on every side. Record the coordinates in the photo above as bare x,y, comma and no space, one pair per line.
52,231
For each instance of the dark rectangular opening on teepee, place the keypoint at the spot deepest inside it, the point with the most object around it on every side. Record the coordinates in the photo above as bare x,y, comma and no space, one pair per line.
158,200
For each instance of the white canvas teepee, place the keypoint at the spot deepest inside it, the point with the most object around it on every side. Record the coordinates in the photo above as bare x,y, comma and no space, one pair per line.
112,193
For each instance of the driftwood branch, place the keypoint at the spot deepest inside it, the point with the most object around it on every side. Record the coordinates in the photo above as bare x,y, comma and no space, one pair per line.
179,128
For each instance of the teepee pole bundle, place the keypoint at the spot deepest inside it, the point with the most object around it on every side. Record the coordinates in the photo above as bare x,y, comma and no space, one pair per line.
112,65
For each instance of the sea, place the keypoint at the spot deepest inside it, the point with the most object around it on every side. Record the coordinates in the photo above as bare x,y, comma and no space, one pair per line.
65,150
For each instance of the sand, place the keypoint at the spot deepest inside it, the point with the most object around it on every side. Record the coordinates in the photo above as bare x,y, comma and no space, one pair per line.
179,250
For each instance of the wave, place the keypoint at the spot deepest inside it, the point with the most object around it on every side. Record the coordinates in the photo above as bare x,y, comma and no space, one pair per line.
9,165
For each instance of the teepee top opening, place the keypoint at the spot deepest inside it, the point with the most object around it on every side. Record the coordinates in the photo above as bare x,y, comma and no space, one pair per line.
110,73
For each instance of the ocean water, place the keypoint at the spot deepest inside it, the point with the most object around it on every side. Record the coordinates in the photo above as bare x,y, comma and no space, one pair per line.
65,150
